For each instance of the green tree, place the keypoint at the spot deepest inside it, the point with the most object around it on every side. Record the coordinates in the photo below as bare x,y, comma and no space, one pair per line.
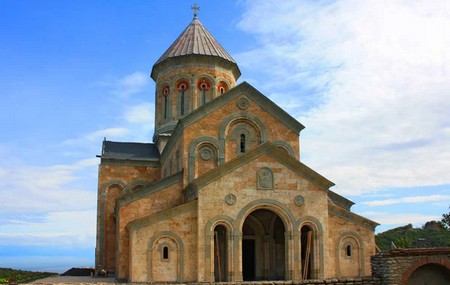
446,220
403,242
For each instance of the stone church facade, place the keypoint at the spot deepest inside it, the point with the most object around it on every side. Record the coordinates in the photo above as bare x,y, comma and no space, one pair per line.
221,194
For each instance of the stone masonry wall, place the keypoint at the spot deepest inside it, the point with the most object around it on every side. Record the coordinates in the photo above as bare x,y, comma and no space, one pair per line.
396,267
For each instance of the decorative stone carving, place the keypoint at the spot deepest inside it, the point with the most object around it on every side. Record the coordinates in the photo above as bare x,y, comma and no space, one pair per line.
206,153
299,201
264,179
230,199
243,103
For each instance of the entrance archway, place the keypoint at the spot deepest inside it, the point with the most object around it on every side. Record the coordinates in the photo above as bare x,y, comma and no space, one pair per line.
263,247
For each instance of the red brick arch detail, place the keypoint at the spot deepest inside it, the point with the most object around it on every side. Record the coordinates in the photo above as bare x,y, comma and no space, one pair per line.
431,260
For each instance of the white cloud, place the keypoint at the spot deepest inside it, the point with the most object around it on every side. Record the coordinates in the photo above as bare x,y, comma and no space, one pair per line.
140,120
140,114
99,135
65,229
394,219
45,206
372,86
408,200
130,84
54,188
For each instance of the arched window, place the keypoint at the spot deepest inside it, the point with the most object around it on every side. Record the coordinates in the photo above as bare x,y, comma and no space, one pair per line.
222,87
166,91
183,87
348,250
242,142
203,86
165,254
203,93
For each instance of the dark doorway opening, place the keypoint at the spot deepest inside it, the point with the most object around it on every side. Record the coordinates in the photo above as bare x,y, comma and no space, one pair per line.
263,247
248,259
307,251
220,254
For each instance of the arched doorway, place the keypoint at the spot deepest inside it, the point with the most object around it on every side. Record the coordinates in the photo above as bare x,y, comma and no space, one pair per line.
220,254
263,247
307,252
430,274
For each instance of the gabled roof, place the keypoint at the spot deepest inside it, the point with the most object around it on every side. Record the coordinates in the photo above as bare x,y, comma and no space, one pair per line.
129,151
195,39
242,89
267,148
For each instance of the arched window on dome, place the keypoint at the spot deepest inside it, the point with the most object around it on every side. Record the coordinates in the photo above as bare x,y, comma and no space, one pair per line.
182,98
204,87
166,92
182,89
222,87
203,98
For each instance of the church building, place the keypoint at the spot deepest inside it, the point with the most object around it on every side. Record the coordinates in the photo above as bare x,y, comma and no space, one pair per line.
221,194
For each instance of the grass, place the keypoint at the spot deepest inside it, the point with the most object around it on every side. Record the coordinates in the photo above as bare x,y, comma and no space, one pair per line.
8,275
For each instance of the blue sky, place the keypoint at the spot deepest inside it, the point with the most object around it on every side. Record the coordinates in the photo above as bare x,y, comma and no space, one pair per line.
368,79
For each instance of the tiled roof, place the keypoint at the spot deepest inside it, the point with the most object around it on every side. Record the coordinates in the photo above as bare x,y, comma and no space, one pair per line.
195,39
129,150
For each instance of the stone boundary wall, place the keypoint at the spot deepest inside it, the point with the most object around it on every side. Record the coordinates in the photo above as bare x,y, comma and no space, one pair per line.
348,281
396,266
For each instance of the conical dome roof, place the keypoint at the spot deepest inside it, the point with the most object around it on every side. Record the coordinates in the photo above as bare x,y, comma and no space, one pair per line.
195,39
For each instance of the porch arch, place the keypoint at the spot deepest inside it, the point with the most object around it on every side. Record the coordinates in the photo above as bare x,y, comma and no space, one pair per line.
178,251
287,220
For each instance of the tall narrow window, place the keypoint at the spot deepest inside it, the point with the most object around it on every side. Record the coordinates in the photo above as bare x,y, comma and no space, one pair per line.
166,107
165,253
183,89
349,250
203,94
166,91
242,143
222,87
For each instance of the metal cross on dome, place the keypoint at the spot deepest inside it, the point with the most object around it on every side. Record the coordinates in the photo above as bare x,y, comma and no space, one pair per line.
195,8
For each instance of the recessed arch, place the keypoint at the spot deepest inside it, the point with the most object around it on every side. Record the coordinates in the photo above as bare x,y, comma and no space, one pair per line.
133,186
109,193
285,146
231,120
350,252
193,155
264,246
211,250
175,250
438,264
317,261
287,221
